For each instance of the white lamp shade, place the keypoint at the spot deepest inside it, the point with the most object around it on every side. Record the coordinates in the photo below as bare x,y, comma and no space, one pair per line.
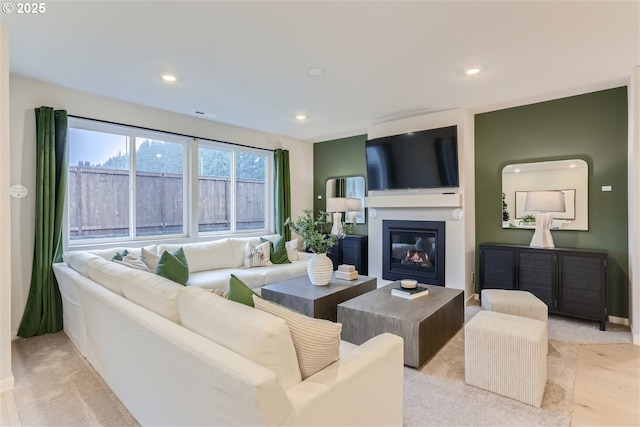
544,201
336,204
354,204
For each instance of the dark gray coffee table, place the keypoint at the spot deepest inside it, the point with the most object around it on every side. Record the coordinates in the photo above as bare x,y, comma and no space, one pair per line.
317,301
426,323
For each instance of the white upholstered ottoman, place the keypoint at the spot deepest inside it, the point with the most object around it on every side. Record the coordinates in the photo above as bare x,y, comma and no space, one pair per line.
507,355
519,303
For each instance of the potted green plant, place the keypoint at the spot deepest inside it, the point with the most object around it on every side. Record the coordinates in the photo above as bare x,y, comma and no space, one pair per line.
528,220
317,240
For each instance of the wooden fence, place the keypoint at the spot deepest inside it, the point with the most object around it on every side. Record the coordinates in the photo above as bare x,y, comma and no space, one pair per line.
99,203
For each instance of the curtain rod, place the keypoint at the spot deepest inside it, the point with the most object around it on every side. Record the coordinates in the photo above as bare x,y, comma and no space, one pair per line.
168,132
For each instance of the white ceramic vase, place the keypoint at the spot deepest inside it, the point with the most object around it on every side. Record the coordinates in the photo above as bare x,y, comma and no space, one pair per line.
320,269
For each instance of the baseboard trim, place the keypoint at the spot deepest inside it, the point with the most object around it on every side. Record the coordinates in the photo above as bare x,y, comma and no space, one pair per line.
619,320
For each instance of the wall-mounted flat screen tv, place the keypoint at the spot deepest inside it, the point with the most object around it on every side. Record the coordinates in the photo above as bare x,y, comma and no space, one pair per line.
414,160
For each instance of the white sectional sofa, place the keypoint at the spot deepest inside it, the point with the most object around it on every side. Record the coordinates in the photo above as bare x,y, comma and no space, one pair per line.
171,362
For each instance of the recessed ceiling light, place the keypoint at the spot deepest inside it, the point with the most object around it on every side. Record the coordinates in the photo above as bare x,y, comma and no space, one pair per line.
316,72
472,71
170,78
301,117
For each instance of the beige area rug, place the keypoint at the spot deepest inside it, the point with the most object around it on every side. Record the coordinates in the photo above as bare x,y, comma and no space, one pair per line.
436,395
56,386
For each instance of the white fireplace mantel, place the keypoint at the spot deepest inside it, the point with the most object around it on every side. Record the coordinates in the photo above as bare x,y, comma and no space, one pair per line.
415,201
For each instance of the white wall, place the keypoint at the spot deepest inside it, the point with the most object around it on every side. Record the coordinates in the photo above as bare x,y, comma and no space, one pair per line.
6,377
634,203
460,233
27,94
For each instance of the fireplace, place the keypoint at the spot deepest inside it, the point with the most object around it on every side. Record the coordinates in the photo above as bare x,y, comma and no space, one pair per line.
413,250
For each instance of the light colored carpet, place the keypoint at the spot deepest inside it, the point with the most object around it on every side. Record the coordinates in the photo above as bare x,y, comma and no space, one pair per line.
436,395
56,386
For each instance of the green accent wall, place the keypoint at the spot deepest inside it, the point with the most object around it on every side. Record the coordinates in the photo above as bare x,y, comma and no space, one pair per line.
592,127
337,159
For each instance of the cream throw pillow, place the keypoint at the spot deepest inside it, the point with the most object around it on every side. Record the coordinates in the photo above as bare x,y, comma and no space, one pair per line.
150,259
133,262
292,249
317,341
257,255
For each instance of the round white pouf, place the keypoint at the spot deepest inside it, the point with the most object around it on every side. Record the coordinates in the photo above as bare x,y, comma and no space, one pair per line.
320,269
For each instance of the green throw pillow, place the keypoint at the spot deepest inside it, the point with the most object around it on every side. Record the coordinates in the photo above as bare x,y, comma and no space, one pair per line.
119,256
173,266
239,292
278,251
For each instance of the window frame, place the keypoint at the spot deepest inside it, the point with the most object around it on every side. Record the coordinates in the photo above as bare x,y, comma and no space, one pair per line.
190,229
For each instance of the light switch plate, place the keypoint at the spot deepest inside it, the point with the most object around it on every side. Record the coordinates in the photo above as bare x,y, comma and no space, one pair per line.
606,188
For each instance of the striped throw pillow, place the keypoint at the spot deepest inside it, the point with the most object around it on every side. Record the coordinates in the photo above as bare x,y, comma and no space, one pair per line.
317,341
220,292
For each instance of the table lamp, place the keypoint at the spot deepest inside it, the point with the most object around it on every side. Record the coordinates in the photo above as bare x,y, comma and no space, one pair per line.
544,203
337,205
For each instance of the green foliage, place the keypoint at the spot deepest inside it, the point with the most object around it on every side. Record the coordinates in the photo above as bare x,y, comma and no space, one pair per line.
529,218
167,157
313,231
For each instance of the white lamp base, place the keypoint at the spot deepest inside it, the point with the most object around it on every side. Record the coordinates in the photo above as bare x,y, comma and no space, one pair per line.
337,224
542,234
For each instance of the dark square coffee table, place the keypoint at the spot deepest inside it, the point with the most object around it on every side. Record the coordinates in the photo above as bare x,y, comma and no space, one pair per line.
426,323
317,301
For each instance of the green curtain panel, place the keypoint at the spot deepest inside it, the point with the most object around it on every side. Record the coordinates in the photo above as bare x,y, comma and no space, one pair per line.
43,312
282,192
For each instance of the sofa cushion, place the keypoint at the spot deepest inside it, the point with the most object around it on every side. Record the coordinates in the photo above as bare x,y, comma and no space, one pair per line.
238,245
254,334
317,341
107,274
252,277
174,266
79,260
203,256
282,272
239,292
153,292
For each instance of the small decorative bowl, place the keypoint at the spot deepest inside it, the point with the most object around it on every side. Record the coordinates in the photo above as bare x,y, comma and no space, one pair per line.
408,283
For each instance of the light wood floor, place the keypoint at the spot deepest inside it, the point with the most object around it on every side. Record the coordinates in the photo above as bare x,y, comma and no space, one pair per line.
607,387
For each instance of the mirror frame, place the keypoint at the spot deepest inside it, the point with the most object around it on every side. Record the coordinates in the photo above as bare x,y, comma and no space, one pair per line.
571,176
361,218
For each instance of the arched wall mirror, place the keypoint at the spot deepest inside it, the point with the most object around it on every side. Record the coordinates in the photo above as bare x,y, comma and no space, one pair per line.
351,187
569,176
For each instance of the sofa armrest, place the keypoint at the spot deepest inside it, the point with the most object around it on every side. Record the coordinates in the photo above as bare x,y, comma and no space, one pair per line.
364,387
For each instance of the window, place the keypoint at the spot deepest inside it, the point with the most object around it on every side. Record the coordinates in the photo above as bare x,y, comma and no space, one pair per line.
128,183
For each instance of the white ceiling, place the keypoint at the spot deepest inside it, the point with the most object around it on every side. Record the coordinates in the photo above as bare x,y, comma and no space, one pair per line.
248,63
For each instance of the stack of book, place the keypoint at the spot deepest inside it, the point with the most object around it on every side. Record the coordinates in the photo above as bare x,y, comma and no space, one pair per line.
417,292
346,272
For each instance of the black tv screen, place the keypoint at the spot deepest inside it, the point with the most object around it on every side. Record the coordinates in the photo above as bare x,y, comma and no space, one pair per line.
423,159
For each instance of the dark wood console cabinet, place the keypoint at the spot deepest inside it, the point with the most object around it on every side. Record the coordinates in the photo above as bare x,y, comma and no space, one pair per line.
571,282
352,250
